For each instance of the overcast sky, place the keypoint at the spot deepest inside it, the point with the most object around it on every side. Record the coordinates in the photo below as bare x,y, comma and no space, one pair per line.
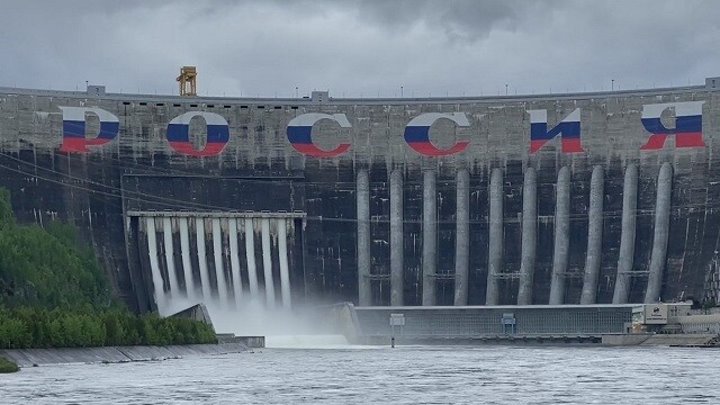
359,48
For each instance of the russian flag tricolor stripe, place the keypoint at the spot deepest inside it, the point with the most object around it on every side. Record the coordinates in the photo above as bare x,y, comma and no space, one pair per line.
74,139
568,129
417,134
218,134
688,125
299,133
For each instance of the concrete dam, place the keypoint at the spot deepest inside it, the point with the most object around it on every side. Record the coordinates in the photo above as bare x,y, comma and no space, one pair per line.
587,198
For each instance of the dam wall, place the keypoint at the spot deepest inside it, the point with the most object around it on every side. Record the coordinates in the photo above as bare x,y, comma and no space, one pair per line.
587,198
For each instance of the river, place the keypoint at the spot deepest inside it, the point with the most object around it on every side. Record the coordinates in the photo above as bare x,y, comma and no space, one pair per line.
337,374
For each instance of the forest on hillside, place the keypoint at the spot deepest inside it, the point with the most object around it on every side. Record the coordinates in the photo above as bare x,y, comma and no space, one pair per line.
53,293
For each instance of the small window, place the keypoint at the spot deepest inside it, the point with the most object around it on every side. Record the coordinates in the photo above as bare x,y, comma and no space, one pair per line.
211,106
143,103
277,107
227,106
159,104
294,107
244,107
261,107
176,105
126,103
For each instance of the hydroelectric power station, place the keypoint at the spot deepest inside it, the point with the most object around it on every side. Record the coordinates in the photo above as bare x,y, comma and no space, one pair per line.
588,198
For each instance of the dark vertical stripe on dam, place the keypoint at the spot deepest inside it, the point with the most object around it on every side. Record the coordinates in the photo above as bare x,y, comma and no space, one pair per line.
644,234
144,259
445,248
379,236
210,257
546,173
194,263
687,230
611,233
145,302
512,232
479,234
330,235
577,252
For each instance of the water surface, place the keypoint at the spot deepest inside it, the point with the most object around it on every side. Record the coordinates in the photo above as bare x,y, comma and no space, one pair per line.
352,375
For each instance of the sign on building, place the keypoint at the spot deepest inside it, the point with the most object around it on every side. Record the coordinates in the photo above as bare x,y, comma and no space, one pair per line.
651,314
397,319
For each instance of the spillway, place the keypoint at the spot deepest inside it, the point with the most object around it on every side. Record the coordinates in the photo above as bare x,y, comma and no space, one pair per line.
223,287
235,262
202,259
187,266
158,284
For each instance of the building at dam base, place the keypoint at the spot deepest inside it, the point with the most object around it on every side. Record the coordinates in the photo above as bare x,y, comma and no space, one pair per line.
581,199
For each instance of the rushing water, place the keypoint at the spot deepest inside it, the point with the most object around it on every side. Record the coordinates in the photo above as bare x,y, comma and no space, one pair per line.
354,375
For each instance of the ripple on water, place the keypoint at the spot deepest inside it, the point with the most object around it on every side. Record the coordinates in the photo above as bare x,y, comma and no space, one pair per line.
482,374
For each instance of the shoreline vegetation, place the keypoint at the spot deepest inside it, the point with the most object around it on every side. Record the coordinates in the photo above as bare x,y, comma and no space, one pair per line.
29,327
7,366
54,293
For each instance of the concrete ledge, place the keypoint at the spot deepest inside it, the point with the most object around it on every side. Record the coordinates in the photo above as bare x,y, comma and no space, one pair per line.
252,342
112,354
482,339
648,339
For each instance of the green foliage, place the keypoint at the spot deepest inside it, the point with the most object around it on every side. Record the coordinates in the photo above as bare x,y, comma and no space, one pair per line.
13,332
53,293
47,267
7,366
6,213
37,327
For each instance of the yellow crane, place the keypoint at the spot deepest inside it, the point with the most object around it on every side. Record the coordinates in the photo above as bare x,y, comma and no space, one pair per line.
188,81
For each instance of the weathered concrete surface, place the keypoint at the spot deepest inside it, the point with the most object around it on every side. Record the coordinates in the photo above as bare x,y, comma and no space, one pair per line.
341,318
661,234
562,237
429,240
363,237
196,312
259,170
709,323
529,237
252,342
595,227
120,354
495,251
627,238
397,244
462,238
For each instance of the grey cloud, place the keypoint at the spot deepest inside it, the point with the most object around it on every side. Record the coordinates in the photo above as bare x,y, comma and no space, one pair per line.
464,19
355,48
